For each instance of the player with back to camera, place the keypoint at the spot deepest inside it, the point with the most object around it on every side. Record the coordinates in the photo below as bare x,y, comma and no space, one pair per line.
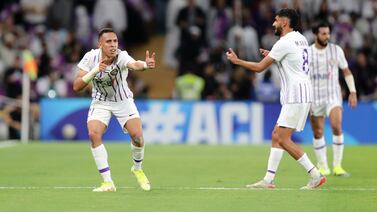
107,68
326,60
290,53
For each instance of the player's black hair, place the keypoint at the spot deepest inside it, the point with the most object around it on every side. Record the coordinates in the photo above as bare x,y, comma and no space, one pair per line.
293,16
315,28
103,31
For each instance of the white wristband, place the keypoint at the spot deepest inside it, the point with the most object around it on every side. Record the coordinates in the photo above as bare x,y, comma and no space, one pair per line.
145,65
350,83
90,75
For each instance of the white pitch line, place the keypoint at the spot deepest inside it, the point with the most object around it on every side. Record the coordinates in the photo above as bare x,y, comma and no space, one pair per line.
178,188
6,144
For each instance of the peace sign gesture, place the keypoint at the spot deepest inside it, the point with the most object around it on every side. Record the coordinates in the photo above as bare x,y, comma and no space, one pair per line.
150,60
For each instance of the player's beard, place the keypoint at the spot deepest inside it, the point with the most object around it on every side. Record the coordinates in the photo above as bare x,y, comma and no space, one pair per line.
322,43
278,31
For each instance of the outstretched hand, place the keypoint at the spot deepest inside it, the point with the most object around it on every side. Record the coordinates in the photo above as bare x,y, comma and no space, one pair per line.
150,60
231,56
264,52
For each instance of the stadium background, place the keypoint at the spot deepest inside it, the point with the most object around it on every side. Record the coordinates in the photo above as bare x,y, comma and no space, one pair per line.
58,33
55,170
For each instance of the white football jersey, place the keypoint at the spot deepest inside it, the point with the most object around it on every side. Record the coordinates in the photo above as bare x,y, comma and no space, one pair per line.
291,55
110,85
324,73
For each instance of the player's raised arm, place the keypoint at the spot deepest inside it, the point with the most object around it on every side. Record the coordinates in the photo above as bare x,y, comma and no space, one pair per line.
139,65
253,66
83,77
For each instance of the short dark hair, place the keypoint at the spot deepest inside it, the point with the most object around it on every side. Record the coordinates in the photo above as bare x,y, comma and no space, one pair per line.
315,28
103,31
293,16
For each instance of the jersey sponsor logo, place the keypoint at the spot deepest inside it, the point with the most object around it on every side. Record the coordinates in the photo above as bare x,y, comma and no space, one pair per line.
317,76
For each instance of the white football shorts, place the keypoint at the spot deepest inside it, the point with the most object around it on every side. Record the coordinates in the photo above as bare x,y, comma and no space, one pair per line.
324,110
294,116
123,111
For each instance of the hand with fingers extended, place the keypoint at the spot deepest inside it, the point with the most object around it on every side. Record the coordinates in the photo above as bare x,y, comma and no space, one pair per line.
264,52
150,60
231,56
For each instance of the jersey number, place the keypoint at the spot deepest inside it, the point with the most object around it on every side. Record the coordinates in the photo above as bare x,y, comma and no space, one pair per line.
305,64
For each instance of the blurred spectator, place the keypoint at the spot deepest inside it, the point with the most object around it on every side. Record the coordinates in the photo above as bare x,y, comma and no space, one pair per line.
211,86
219,22
189,86
265,90
52,86
11,115
139,22
365,77
60,11
35,11
13,79
8,51
192,23
241,84
173,33
82,26
116,19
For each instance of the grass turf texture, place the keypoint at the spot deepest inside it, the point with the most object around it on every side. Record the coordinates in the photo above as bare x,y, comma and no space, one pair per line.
60,177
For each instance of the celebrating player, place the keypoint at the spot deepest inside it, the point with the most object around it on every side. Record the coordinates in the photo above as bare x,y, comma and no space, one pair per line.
326,59
107,68
290,53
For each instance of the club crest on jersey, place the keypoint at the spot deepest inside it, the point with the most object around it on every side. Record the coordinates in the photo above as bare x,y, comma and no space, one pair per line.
332,62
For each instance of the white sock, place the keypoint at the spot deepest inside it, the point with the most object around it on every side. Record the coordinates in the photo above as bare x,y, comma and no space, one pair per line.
100,157
273,163
338,146
308,165
137,156
320,150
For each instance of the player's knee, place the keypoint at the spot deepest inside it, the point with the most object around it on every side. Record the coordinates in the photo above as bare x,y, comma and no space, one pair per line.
94,136
276,138
318,133
336,129
137,138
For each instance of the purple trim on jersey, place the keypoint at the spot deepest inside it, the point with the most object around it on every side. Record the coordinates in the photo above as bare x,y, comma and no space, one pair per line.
311,169
328,75
318,81
104,170
272,172
121,79
300,92
115,92
283,80
320,147
118,85
97,91
330,46
339,144
106,94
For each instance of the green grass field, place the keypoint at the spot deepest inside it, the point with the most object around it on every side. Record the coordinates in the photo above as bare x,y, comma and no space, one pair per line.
60,177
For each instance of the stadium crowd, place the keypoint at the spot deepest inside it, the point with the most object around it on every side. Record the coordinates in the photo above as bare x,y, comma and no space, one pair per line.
197,34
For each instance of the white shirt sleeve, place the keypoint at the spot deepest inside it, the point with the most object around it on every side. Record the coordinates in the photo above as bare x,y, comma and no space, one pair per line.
124,58
279,50
342,62
84,64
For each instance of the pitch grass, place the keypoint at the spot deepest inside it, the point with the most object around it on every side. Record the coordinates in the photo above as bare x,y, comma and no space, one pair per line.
60,177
